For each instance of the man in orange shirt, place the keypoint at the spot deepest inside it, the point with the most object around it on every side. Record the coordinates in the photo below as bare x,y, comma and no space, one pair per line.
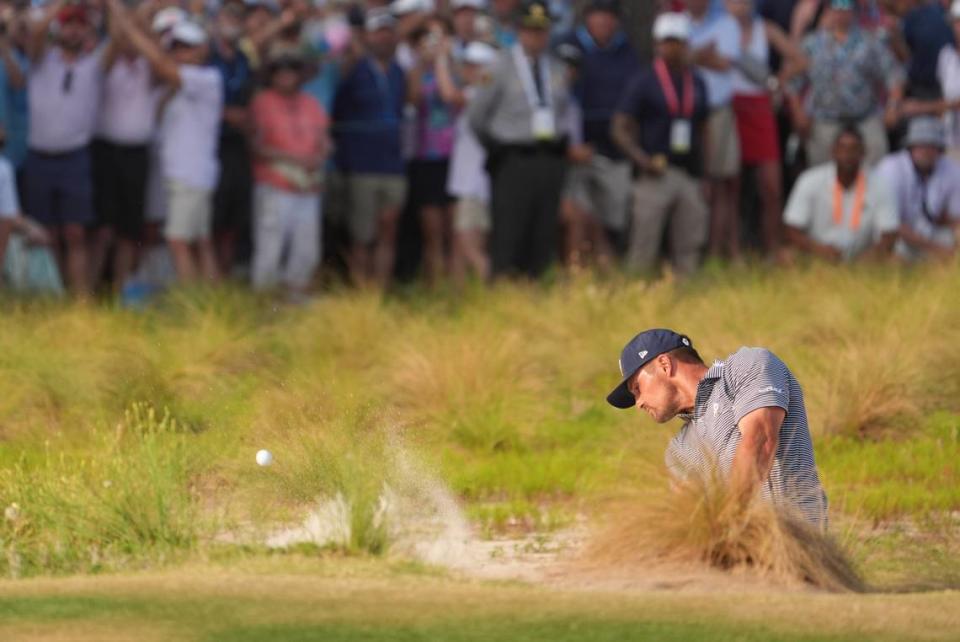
290,146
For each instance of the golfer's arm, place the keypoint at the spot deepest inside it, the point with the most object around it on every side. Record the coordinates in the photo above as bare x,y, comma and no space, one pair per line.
759,436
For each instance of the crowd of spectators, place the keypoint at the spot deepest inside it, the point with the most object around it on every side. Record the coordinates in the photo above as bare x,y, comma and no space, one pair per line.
179,140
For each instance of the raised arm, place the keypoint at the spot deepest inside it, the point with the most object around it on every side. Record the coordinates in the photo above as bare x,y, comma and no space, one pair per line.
449,91
164,67
40,31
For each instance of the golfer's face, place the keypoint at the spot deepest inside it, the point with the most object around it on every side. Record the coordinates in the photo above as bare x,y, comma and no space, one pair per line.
654,393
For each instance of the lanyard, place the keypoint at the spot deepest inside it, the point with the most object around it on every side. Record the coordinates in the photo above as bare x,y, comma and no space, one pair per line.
525,72
670,94
857,213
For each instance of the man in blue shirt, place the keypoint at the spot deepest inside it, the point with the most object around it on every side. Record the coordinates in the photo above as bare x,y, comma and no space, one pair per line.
660,125
607,63
367,113
232,199
926,31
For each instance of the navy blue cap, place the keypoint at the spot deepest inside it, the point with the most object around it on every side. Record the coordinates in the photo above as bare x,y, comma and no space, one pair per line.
642,349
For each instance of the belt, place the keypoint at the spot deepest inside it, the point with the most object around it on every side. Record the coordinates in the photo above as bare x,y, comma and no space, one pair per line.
552,148
56,155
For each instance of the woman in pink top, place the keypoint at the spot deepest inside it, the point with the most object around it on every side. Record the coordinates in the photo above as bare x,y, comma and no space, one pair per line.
290,147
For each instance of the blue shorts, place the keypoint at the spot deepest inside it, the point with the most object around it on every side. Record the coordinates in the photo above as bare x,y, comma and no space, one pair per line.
59,187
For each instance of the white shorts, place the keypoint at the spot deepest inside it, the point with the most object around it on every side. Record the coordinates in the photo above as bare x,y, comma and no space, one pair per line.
189,212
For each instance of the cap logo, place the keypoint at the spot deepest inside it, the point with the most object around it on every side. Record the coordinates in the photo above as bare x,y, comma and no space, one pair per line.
685,341
643,354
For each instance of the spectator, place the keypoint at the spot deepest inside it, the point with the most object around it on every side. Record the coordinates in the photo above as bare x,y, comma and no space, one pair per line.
848,72
660,125
435,130
291,145
517,116
926,32
757,129
607,63
948,104
948,73
232,198
11,219
411,16
926,189
465,14
468,181
837,211
716,43
126,126
188,139
64,96
13,85
368,112
504,14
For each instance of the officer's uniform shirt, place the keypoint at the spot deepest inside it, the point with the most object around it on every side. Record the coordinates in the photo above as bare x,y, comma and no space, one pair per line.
502,111
750,379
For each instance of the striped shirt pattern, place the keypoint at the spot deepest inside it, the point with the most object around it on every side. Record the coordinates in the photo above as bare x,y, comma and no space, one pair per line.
750,379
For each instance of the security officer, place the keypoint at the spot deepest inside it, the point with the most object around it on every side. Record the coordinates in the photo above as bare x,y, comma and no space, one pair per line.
520,115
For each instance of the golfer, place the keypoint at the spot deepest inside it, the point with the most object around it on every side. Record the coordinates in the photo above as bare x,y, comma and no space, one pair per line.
745,419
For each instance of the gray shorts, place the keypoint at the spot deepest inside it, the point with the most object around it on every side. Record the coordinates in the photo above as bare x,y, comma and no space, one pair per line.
370,195
601,187
189,212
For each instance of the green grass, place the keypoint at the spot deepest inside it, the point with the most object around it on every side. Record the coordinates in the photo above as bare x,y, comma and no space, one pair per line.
498,392
306,600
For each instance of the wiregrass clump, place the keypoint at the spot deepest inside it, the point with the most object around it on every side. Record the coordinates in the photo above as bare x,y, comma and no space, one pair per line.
700,522
127,502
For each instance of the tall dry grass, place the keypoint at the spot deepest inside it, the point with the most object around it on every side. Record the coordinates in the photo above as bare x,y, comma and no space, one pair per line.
699,522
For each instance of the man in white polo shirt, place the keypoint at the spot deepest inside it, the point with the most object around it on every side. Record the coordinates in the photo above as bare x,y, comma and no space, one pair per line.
64,96
126,125
189,134
837,211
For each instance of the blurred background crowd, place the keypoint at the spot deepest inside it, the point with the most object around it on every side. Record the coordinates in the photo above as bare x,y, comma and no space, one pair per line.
288,142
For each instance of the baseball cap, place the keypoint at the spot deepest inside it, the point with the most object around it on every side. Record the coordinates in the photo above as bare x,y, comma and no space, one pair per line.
479,53
535,15
925,130
671,26
377,20
188,32
165,19
641,350
479,5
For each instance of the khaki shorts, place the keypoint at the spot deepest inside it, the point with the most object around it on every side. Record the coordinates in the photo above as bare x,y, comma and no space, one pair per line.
471,215
370,195
723,158
189,212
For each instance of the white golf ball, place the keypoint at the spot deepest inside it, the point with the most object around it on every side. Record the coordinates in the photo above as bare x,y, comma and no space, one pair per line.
264,457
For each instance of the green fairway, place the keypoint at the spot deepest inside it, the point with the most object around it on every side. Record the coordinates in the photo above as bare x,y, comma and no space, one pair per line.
344,602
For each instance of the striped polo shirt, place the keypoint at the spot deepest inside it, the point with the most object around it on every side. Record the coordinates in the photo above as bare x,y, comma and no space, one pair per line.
750,379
